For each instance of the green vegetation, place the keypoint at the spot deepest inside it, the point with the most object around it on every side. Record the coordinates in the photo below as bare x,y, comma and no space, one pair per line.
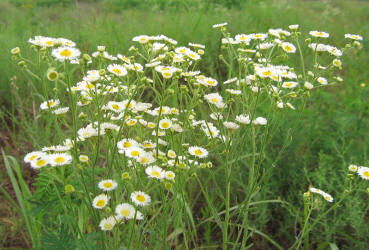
328,135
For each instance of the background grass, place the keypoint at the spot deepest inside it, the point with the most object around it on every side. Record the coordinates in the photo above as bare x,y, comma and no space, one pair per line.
332,133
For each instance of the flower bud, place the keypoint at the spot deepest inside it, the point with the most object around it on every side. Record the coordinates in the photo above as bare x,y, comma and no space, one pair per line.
125,176
15,51
52,74
69,189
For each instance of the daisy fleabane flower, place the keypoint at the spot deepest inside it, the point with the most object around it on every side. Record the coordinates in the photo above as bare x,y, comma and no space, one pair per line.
117,70
319,34
125,210
363,172
60,159
50,104
288,47
65,53
216,99
198,152
100,201
108,224
165,124
107,185
140,198
154,172
353,37
169,175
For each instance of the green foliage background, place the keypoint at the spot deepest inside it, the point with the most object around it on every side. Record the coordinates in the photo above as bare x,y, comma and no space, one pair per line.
332,133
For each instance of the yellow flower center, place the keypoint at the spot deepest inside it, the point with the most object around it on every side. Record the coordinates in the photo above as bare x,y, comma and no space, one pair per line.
125,212
140,198
366,174
90,86
132,122
117,71
165,124
135,153
115,106
319,34
59,159
151,125
258,36
288,84
288,48
147,145
267,73
33,157
170,175
167,74
108,184
40,163
144,160
65,53
215,100
198,152
155,174
108,226
210,82
127,144
49,43
100,203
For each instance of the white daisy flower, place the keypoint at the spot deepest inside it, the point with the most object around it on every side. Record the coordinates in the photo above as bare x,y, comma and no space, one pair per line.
65,53
169,175
140,198
322,81
141,39
50,103
288,47
353,37
108,224
125,210
171,154
60,159
108,185
216,99
165,124
289,85
198,151
100,201
117,70
154,172
319,34
134,152
363,172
